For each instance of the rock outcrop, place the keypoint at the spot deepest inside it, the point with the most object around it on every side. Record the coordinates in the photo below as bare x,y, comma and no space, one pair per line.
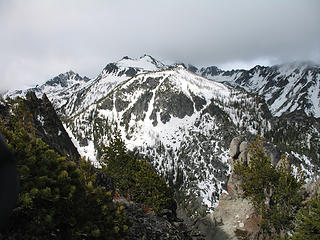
235,218
235,146
148,225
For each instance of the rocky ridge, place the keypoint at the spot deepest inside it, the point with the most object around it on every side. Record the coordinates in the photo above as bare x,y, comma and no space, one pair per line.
148,225
235,218
70,93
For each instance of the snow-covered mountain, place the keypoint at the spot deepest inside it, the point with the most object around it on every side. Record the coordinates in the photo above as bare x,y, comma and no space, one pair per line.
70,93
183,123
286,87
59,89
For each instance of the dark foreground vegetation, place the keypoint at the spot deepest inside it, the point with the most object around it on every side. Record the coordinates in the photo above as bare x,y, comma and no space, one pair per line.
61,199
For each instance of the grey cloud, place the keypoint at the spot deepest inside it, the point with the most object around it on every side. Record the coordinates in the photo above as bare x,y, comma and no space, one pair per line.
43,38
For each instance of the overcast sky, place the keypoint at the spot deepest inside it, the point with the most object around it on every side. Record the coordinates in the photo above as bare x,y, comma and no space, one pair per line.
42,38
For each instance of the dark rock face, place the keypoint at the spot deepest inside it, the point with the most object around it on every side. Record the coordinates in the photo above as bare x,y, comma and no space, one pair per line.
152,83
121,104
130,72
216,111
63,78
49,127
56,80
230,73
213,71
147,225
107,103
192,68
177,105
111,68
198,102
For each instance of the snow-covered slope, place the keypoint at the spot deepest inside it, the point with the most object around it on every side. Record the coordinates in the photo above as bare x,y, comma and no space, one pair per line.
286,87
71,93
112,75
144,63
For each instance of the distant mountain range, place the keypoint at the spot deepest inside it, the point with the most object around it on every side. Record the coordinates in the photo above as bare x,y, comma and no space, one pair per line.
182,119
285,88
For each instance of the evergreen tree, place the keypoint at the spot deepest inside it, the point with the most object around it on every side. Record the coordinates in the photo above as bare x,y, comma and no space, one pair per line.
275,193
135,179
308,221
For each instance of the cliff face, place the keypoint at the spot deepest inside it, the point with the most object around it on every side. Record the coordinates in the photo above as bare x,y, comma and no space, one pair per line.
49,127
44,122
148,225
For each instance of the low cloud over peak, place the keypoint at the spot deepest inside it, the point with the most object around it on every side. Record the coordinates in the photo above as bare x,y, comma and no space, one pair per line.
43,38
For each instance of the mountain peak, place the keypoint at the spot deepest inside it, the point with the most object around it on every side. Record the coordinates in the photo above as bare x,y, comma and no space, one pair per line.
70,72
63,79
147,57
212,70
125,58
145,63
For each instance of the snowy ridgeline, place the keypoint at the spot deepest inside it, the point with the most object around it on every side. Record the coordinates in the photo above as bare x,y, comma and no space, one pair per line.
286,87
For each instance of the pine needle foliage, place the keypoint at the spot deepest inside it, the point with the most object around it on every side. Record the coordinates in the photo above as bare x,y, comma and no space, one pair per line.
58,198
308,221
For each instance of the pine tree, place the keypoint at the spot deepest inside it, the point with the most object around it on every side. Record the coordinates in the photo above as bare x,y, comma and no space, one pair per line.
273,192
136,179
308,222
